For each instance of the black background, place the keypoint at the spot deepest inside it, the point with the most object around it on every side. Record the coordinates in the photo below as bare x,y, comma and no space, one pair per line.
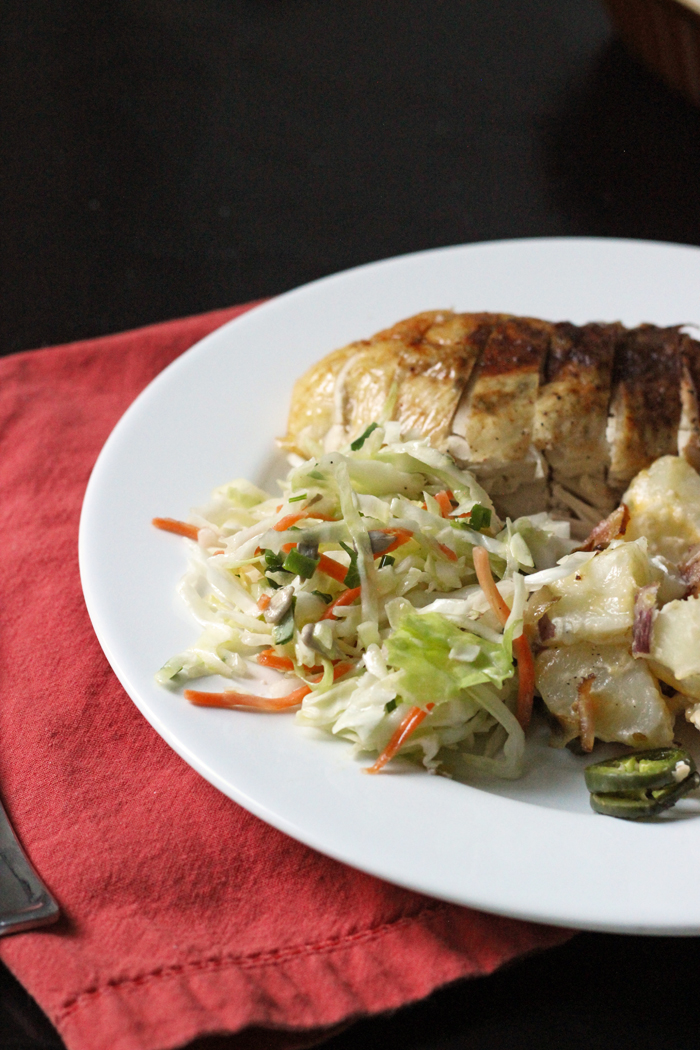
165,157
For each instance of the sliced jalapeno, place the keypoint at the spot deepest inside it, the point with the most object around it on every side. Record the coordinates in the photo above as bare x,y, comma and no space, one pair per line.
636,805
640,771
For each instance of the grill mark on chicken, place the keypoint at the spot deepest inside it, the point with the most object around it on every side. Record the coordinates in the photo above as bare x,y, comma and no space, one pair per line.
645,408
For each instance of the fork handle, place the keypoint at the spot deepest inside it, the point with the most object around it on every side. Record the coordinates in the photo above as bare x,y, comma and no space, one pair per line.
24,900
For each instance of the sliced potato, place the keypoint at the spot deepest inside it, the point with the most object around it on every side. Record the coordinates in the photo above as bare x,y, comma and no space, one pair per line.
627,706
596,603
675,636
664,506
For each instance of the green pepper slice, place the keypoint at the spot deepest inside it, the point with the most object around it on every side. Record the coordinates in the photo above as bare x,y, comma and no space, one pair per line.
640,771
637,805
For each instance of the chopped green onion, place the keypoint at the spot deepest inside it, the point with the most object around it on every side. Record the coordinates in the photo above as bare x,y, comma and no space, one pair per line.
479,517
273,583
280,577
359,442
284,631
352,577
386,559
316,475
273,561
295,499
327,598
390,706
300,564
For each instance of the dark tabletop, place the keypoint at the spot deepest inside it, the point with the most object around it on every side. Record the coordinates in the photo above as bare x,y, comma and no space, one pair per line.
165,157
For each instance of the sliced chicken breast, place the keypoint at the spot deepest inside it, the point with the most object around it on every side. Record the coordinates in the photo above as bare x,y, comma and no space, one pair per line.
548,416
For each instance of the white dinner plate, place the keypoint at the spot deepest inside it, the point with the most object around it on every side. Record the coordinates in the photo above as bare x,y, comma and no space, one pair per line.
531,849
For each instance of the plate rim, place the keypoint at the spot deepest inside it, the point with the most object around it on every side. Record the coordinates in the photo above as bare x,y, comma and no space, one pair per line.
168,734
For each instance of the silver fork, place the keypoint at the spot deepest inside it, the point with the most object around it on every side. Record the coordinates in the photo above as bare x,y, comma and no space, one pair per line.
24,900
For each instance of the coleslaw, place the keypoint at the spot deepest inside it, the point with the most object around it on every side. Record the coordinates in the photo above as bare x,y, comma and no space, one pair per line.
355,599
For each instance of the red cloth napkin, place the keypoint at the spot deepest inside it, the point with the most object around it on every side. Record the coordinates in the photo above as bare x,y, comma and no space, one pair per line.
182,914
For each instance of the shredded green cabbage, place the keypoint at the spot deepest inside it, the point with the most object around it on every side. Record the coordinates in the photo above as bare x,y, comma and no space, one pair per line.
417,632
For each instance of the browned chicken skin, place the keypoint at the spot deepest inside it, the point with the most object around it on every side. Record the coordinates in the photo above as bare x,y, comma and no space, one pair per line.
549,416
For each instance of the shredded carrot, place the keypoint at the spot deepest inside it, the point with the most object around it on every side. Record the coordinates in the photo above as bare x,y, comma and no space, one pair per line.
448,552
333,568
401,536
488,586
340,669
287,547
231,699
289,519
444,501
346,598
526,679
269,658
180,528
404,730
521,646
263,602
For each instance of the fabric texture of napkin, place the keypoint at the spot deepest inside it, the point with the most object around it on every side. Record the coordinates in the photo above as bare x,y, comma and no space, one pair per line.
182,914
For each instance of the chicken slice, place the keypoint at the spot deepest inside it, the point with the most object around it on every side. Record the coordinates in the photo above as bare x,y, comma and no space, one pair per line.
434,373
689,427
645,409
571,414
424,362
497,411
492,428
312,408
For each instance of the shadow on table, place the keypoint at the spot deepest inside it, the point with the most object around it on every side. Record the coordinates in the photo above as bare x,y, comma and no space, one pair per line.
623,155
